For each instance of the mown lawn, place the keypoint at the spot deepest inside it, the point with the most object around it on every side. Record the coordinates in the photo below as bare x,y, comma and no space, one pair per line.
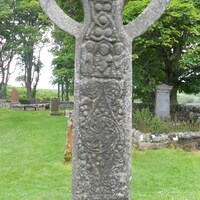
31,163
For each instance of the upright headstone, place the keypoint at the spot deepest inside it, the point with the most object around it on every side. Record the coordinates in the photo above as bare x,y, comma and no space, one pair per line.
54,106
162,107
14,97
103,85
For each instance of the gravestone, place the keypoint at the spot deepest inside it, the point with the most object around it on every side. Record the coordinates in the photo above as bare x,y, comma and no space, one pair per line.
54,106
162,107
103,85
14,97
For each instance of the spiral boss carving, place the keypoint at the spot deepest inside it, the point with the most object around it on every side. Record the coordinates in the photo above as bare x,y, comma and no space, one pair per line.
102,115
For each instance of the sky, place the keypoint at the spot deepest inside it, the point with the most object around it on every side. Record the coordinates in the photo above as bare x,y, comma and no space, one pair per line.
45,77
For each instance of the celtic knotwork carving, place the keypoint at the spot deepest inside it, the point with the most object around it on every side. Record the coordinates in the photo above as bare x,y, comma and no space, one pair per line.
103,54
153,12
113,90
103,60
101,151
91,90
102,25
101,98
100,134
102,172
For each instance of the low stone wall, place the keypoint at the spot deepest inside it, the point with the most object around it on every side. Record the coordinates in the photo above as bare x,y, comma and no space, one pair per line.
4,103
185,113
64,105
29,107
186,140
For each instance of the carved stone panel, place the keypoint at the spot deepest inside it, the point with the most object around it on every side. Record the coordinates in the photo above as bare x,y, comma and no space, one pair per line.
102,143
103,152
103,52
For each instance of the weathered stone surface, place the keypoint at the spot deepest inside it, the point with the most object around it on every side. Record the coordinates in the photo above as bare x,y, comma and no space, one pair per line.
187,140
30,107
147,18
102,141
103,106
54,106
4,103
66,105
159,138
189,136
14,97
162,107
63,21
185,113
143,146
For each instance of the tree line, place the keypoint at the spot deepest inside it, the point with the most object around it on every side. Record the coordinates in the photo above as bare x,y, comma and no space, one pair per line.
22,29
169,52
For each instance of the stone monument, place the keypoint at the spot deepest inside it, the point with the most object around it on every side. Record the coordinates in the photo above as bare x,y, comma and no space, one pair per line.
54,106
103,85
14,97
162,107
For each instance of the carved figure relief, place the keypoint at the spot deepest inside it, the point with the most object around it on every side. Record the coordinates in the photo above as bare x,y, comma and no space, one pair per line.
87,59
108,49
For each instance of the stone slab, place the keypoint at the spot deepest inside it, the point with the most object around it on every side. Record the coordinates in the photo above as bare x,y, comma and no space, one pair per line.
162,107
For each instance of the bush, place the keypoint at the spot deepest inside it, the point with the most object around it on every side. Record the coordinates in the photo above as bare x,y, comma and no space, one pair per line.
146,122
186,98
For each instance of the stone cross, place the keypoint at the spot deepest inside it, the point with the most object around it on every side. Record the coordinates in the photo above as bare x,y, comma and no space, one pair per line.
103,85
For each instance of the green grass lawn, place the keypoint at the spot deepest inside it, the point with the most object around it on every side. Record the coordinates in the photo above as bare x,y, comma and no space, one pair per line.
32,145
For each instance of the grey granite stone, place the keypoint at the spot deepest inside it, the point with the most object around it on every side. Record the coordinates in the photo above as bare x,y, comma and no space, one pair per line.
54,106
147,18
63,21
159,138
162,107
103,85
143,146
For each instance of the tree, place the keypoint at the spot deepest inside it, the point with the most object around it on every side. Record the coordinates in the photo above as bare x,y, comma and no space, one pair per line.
63,63
8,42
22,26
169,52
32,25
64,51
